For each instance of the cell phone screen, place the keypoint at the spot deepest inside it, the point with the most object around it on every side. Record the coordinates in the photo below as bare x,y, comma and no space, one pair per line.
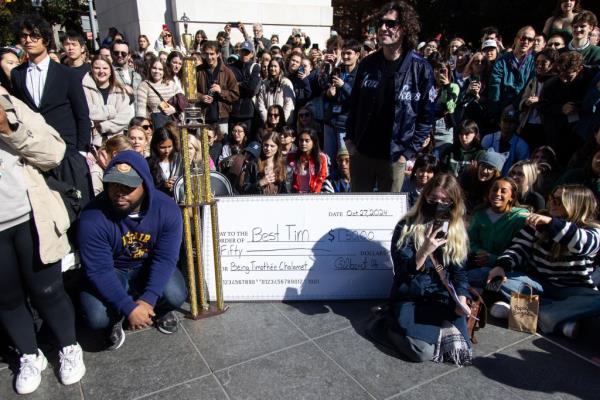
444,231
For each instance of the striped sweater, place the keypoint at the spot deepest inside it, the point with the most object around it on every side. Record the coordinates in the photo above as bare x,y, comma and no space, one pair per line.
147,100
572,268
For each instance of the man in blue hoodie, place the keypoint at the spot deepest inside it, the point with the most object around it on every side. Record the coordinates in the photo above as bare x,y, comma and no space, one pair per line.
129,239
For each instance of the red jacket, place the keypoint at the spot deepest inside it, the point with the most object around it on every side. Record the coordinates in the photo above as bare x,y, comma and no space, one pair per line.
316,179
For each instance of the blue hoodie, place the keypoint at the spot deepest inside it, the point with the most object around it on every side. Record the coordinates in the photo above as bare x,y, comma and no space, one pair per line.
108,240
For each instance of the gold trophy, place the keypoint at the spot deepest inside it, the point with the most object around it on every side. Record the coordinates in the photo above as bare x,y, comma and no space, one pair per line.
187,38
198,193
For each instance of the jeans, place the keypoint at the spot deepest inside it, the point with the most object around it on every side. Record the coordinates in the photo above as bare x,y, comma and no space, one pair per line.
369,173
98,314
557,304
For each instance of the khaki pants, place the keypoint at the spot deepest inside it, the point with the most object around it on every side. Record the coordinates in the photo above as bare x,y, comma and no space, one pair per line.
368,173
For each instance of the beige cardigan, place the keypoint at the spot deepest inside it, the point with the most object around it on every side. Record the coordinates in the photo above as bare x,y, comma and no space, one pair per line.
42,149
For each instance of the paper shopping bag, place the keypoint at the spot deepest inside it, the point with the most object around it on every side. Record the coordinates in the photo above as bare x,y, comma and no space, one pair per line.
524,311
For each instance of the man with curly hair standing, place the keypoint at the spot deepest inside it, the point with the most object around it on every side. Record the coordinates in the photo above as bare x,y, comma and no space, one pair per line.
392,104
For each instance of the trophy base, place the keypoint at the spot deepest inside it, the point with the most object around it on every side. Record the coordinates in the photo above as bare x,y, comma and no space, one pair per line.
193,116
212,311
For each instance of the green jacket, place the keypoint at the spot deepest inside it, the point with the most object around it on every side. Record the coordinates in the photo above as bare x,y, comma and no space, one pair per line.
494,237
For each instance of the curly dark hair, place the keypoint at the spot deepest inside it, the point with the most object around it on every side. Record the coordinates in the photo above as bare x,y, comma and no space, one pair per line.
409,21
35,23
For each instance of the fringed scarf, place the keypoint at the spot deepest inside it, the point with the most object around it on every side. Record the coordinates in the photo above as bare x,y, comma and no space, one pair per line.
452,346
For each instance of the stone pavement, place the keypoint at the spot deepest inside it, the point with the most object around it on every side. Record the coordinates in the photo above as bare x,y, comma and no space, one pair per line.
316,350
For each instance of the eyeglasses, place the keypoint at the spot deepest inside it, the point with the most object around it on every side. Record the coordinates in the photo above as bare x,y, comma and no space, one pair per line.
33,36
146,127
554,44
120,53
167,35
443,202
527,39
273,114
389,23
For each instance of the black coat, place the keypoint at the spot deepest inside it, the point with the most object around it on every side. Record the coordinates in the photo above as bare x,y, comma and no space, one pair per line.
64,107
63,104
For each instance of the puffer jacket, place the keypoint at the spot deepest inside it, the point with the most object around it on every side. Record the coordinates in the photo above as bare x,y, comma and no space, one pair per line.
41,149
414,109
113,117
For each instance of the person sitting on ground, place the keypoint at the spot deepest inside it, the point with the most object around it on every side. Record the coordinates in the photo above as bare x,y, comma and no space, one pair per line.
555,254
525,174
506,141
429,325
464,151
129,239
425,167
492,227
477,180
339,180
265,172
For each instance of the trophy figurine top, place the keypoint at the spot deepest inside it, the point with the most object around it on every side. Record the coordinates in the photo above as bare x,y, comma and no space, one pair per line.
192,114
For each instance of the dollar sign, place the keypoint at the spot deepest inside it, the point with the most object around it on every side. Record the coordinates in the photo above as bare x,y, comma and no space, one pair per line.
331,235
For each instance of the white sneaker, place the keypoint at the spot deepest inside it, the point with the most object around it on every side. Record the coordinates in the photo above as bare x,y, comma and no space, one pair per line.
30,372
72,368
500,310
570,329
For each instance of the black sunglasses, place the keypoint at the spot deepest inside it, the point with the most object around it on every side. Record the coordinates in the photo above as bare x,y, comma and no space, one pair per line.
34,36
389,23
120,53
146,127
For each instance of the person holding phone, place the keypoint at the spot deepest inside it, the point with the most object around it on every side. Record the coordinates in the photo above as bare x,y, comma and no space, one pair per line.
166,41
429,249
555,253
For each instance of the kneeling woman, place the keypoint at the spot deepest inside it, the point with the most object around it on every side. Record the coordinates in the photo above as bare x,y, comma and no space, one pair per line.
555,255
427,264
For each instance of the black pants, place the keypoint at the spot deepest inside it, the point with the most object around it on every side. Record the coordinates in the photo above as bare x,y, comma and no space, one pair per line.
22,275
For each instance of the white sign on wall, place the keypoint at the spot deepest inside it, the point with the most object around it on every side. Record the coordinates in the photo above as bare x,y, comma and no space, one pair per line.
304,247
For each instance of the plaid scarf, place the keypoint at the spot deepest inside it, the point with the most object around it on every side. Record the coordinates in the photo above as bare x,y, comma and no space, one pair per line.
452,346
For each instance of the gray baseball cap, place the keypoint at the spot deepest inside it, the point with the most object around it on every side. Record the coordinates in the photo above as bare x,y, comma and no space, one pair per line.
123,174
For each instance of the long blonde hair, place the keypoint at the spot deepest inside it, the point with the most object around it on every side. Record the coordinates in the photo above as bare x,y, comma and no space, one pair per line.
582,209
457,247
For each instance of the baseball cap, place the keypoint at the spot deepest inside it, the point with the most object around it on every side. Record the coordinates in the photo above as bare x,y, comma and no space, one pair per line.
511,115
124,174
247,46
254,149
489,43
490,157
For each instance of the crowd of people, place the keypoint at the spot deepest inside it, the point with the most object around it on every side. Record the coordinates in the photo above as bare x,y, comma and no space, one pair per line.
499,139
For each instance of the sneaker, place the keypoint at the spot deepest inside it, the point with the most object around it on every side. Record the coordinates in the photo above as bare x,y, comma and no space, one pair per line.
72,368
117,336
167,324
500,310
30,372
570,329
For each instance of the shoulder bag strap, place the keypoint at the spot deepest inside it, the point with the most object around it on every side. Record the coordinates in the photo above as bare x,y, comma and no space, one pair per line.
155,91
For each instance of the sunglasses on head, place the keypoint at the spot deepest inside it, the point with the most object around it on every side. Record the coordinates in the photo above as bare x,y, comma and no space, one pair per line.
389,23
